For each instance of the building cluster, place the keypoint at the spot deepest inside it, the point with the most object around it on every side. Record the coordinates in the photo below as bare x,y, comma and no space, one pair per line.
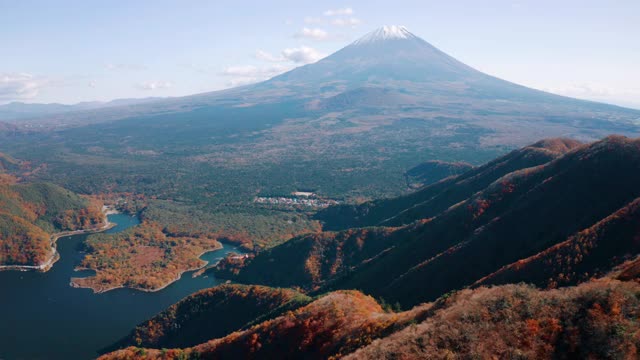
307,202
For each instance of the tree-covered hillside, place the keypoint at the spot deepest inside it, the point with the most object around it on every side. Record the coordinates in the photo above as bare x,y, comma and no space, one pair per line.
31,212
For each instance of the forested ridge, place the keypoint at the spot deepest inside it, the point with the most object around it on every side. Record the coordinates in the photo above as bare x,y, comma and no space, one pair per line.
212,313
513,216
559,216
31,212
598,319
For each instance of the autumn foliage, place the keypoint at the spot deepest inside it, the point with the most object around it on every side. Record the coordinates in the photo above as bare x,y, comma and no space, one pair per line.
433,199
30,214
590,253
211,313
597,320
331,326
145,257
310,259
502,221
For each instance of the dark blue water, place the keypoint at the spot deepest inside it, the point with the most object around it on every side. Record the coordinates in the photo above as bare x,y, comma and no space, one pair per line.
42,317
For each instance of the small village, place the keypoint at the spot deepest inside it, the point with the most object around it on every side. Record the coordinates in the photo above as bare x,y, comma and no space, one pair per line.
298,199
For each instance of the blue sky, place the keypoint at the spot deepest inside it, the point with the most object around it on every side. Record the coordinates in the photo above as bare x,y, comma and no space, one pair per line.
72,51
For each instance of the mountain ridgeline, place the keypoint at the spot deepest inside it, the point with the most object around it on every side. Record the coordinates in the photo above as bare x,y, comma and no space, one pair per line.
435,198
212,313
433,171
554,201
410,263
559,215
348,126
30,212
596,320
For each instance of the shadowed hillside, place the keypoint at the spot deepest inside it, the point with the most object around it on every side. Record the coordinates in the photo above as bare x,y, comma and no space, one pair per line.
435,198
209,314
310,259
590,253
553,214
9,164
337,323
520,214
433,171
598,319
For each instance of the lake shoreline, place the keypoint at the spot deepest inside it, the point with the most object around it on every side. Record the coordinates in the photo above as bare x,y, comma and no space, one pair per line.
43,306
220,246
55,255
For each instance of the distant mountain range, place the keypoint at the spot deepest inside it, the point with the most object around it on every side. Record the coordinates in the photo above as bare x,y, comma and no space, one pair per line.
19,110
388,73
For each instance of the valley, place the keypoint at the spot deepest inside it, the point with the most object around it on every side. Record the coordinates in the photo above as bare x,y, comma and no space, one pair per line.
75,323
498,273
385,201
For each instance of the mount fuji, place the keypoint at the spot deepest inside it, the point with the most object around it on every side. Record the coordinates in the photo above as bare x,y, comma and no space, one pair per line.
347,127
394,66
390,53
387,75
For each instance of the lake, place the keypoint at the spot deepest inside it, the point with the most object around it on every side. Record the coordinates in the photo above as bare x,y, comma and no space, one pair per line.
42,317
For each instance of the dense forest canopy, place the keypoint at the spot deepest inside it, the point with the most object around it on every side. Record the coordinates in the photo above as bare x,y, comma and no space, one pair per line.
32,212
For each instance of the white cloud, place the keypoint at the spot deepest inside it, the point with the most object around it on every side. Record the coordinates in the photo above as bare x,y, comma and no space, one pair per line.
313,20
19,86
125,67
248,74
266,56
155,85
92,84
299,55
313,33
351,21
338,12
302,55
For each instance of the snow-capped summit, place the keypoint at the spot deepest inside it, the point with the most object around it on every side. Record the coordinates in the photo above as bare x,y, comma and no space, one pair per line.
391,53
385,33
